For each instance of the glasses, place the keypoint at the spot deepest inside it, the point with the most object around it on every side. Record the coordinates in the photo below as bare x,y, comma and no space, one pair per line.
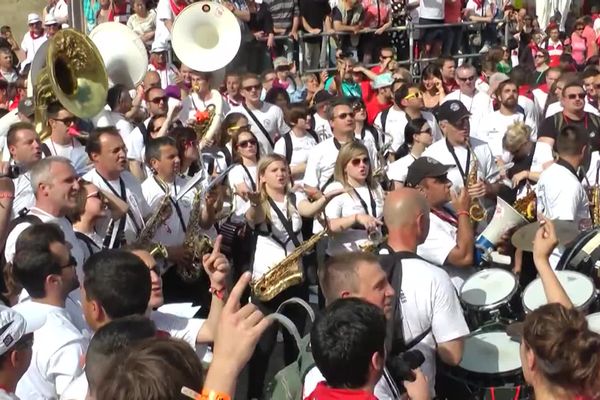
386,57
441,178
357,161
67,121
467,78
250,88
574,96
461,123
427,131
158,100
157,128
96,195
71,263
344,115
416,95
247,143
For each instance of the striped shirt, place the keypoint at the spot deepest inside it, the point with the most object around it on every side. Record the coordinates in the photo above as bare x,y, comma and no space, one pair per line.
283,13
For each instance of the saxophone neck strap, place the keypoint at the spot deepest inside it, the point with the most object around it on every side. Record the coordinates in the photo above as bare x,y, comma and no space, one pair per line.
286,222
463,171
122,196
174,202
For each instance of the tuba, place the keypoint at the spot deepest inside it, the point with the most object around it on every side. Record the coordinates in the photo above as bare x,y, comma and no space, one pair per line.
476,211
71,72
126,64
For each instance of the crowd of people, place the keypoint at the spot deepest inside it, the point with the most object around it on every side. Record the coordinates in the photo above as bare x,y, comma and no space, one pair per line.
151,250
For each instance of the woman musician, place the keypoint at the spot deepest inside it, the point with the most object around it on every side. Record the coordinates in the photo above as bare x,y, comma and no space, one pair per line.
354,215
276,214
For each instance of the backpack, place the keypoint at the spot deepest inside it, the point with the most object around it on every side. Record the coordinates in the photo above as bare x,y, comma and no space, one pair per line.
289,382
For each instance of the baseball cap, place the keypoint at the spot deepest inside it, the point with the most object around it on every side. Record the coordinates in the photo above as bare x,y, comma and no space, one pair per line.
424,167
280,62
13,327
452,111
383,80
33,18
26,107
322,96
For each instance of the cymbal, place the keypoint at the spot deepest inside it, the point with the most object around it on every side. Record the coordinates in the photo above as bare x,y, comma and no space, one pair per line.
566,231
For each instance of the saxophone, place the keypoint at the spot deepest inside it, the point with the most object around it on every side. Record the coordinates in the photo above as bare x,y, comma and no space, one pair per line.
159,217
284,274
476,210
594,197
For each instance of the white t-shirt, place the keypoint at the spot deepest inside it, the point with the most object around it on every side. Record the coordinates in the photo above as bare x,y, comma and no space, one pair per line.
168,76
77,390
109,118
136,148
193,103
163,12
322,127
24,197
271,118
30,46
270,242
480,10
58,348
171,232
185,329
556,107
398,170
133,196
238,175
431,9
347,204
396,123
437,246
74,152
478,105
301,148
494,129
560,195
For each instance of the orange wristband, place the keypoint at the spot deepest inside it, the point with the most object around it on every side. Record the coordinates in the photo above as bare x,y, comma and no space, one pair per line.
213,395
458,214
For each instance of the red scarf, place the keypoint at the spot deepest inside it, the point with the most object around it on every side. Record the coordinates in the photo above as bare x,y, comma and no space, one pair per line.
525,90
324,392
159,67
544,87
35,35
177,6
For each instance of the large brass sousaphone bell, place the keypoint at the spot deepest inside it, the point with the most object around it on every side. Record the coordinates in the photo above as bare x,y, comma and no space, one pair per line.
71,72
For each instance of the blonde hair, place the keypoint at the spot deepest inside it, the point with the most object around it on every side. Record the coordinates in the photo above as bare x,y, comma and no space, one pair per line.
263,164
516,136
347,152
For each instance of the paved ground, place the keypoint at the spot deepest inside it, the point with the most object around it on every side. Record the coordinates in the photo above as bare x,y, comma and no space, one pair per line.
14,13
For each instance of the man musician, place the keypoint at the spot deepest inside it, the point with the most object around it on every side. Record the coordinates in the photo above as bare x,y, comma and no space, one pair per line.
201,97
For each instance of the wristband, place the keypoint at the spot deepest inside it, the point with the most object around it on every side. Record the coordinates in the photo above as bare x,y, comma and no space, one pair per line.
213,395
463,212
219,293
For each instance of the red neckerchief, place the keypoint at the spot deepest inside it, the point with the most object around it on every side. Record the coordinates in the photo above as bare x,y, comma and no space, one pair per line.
324,392
445,216
158,67
525,90
177,6
544,87
36,36
450,86
479,3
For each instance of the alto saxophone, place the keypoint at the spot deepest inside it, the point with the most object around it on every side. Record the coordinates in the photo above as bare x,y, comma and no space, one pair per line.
284,274
159,217
476,210
196,243
594,197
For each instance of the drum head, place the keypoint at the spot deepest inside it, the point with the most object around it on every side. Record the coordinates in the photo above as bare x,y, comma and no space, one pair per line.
488,289
579,288
594,322
491,353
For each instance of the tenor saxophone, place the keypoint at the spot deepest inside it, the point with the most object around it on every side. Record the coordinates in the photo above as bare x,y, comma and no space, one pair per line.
476,210
196,242
284,274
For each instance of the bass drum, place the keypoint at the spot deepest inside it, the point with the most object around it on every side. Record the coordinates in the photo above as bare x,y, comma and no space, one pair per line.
583,255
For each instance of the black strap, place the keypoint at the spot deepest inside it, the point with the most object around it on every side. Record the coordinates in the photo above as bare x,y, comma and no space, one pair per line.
384,115
463,172
46,150
314,135
228,157
364,205
175,205
122,221
287,223
143,129
89,243
570,168
260,126
250,177
289,149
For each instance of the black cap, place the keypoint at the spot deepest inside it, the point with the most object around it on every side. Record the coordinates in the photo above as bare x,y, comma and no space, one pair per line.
452,111
424,167
322,96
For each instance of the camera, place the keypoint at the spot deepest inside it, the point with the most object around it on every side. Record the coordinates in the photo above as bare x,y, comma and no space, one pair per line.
13,172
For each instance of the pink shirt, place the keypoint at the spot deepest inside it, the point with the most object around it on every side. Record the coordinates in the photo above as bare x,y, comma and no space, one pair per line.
578,48
370,7
590,36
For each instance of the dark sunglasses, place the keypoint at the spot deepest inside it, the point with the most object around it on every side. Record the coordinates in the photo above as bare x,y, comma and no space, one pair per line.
427,131
574,96
67,121
247,143
158,100
468,78
540,56
252,87
71,263
357,161
345,115
441,178
386,57
96,195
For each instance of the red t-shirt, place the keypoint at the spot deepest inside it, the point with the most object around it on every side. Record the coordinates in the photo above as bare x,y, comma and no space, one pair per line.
324,392
374,107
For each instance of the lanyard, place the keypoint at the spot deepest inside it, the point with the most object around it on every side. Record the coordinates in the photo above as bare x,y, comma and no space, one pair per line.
462,171
123,197
364,204
174,202
445,216
287,225
250,177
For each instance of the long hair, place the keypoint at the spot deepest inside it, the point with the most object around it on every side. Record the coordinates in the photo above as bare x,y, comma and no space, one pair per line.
263,164
229,121
347,152
235,139
412,128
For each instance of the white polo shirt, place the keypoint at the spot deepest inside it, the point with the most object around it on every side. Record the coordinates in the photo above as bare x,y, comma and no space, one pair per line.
348,204
171,232
77,390
396,123
110,118
74,152
138,208
271,118
301,148
560,195
58,349
437,246
185,329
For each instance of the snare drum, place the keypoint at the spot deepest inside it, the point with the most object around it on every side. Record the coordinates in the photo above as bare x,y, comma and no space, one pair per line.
486,296
594,322
579,288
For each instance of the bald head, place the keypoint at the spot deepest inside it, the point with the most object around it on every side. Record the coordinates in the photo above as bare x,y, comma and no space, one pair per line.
402,207
151,79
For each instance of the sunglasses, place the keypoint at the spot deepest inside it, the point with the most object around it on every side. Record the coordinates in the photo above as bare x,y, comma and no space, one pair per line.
467,78
386,57
357,161
158,100
416,95
97,195
250,88
71,263
247,143
574,96
344,115
67,121
441,178
427,131
540,56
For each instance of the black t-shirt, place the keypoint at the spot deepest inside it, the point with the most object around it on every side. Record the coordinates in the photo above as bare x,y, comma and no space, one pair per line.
314,12
589,124
261,20
336,15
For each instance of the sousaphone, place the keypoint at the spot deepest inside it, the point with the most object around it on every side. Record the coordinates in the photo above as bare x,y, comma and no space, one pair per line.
123,52
71,72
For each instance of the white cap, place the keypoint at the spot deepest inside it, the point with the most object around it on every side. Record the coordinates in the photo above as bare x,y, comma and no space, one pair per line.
12,328
33,18
50,20
158,47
